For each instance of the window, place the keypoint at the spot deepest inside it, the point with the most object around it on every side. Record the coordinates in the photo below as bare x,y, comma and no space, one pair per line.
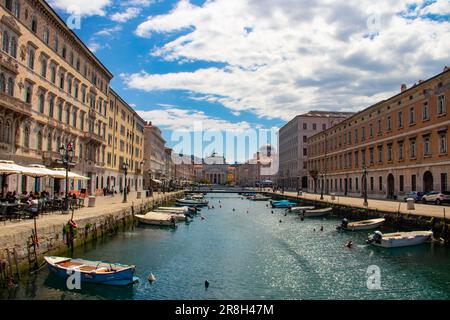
31,58
13,49
64,52
380,154
41,102
402,183
60,110
412,116
400,120
314,126
2,83
389,123
76,87
28,89
400,151
44,67
444,181
305,152
443,143
413,149
441,105
49,142
380,183
46,36
363,133
8,5
425,112
53,73
5,45
61,80
26,137
34,24
380,129
16,9
371,184
39,141
68,115
426,146
413,183
69,85
56,44
389,152
51,106
74,119
371,155
370,130
81,121
11,87
305,138
324,127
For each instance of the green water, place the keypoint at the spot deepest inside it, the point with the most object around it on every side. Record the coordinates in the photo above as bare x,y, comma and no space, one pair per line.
254,256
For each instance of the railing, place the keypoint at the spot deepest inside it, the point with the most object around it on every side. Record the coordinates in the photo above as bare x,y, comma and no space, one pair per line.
14,104
9,63
93,136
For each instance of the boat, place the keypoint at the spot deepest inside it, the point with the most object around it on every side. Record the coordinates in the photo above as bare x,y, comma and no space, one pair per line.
282,204
361,225
259,198
190,202
174,209
157,219
399,239
317,212
177,215
300,209
93,271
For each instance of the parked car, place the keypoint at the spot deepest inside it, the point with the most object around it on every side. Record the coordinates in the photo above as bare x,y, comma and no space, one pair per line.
437,197
416,195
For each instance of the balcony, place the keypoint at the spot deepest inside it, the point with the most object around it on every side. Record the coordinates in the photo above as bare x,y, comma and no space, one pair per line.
9,63
15,105
92,113
50,158
94,137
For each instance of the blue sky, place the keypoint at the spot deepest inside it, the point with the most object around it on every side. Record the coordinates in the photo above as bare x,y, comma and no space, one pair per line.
245,64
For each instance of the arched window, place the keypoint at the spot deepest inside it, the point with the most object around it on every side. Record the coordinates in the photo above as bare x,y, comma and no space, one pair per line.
68,115
53,73
11,87
2,83
41,102
5,46
49,142
13,50
69,85
58,142
8,132
60,110
61,81
39,141
46,35
44,67
64,52
26,137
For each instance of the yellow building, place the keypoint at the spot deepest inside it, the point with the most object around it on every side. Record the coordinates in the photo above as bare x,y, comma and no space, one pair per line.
125,144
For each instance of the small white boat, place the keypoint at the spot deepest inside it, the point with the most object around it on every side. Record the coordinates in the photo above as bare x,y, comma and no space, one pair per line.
157,219
399,239
259,198
174,209
317,212
179,216
361,225
300,209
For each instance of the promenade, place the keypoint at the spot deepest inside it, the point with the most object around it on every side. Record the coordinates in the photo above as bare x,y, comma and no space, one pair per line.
380,205
103,206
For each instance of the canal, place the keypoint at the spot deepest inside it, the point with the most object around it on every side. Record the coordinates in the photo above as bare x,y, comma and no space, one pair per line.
249,254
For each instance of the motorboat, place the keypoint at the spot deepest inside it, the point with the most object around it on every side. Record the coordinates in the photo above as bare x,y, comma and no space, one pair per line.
300,209
399,239
157,219
93,271
282,204
190,202
259,197
174,209
361,225
317,212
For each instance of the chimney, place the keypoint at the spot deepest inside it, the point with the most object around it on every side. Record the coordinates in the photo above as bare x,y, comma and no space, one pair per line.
403,87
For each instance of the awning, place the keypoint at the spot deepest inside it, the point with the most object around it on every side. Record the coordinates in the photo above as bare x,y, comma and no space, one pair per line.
37,171
9,167
72,175
157,181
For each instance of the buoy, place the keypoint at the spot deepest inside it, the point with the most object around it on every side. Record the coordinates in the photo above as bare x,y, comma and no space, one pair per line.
234,209
203,218
272,211
321,228
281,221
206,284
151,278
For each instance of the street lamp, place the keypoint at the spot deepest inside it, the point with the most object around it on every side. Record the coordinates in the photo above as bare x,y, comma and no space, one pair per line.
125,189
365,186
298,185
67,153
321,185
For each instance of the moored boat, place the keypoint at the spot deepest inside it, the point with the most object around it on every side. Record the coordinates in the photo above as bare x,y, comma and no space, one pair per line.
259,198
361,225
399,239
317,212
157,219
190,202
282,204
300,209
93,271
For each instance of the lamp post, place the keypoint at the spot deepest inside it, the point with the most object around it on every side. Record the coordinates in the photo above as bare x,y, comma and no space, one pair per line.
321,185
298,185
365,186
67,153
125,189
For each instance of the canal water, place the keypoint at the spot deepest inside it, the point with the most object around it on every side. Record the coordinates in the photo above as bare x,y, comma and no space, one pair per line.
249,254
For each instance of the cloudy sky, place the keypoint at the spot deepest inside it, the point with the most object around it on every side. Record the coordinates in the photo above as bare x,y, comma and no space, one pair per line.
241,64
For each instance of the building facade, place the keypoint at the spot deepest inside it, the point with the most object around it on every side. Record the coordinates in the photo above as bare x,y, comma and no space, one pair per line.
53,91
125,144
401,142
154,156
293,155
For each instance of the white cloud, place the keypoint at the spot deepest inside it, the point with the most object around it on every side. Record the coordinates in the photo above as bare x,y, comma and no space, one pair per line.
82,7
284,57
107,32
129,14
440,7
176,119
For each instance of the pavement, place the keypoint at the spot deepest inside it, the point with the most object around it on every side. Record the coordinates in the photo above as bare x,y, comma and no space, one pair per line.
103,205
375,204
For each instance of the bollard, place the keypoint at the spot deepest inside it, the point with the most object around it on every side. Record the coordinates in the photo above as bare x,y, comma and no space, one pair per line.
410,204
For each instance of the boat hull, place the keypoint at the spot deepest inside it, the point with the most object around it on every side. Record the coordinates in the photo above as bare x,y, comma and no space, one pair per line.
317,213
154,222
357,226
121,278
405,241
